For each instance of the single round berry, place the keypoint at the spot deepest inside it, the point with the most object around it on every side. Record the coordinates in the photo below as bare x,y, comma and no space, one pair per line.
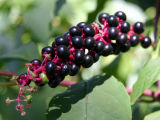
115,50
99,46
82,24
103,16
138,27
125,27
112,21
88,31
61,40
95,57
74,69
48,50
121,15
79,56
65,69
125,47
75,31
22,79
122,39
77,42
107,50
66,34
53,44
62,51
55,80
35,62
113,33
89,43
51,68
146,42
134,40
88,61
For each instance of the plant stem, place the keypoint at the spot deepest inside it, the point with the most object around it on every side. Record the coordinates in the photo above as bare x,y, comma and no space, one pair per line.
6,73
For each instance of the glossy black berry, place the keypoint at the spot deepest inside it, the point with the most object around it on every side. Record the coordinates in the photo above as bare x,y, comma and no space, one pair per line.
65,69
88,31
125,27
95,57
48,50
107,50
122,39
35,62
103,16
99,46
134,40
82,24
138,27
88,61
77,42
74,69
116,49
113,33
112,21
61,40
22,78
121,15
51,68
89,43
53,44
146,42
79,56
66,34
75,31
125,47
55,80
62,51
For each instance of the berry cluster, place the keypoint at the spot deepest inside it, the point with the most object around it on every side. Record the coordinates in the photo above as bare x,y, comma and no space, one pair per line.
81,46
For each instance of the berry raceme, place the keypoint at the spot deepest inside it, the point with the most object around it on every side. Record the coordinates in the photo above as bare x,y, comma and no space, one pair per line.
82,46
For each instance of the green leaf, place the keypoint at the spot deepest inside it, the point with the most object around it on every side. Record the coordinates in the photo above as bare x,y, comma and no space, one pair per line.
59,5
153,116
100,98
25,52
147,76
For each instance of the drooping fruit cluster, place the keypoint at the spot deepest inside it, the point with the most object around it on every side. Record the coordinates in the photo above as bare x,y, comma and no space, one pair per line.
81,46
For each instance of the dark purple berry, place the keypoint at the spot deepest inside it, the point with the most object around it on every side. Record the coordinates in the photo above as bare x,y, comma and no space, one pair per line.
74,69
89,43
61,40
48,50
77,42
79,56
113,33
88,31
146,42
22,78
95,57
75,31
121,15
62,51
51,68
107,50
55,80
103,16
99,46
65,69
125,47
122,39
82,24
53,44
134,40
125,27
112,21
138,27
88,61
66,34
115,50
35,62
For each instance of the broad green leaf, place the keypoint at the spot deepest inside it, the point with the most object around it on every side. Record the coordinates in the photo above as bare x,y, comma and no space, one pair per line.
147,76
25,52
100,98
59,5
153,116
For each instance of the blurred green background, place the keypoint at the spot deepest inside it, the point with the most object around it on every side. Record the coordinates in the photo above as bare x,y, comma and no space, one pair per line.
28,25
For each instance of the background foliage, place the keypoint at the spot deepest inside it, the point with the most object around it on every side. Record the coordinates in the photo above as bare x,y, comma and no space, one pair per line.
28,25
